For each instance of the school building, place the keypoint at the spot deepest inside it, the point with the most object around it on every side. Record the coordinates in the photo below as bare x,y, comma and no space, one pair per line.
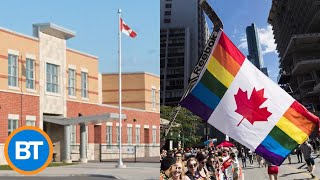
44,83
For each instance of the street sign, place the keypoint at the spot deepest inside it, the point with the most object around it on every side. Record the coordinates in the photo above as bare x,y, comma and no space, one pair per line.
130,150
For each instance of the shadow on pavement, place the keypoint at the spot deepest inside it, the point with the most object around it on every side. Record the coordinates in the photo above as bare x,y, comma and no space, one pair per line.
284,175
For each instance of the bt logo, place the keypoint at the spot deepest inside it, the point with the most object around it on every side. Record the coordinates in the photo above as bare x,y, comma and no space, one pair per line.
28,150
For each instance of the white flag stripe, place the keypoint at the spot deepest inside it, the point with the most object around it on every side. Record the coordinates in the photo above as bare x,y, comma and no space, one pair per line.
226,119
126,29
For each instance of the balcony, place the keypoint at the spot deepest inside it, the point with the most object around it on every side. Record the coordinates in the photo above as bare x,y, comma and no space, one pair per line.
306,81
317,88
306,66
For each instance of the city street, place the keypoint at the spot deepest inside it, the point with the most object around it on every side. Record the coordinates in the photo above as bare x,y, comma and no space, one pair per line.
294,171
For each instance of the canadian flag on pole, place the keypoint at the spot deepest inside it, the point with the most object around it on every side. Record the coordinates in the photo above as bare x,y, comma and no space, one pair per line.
126,29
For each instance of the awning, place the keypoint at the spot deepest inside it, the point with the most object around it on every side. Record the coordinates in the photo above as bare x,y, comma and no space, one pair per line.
95,119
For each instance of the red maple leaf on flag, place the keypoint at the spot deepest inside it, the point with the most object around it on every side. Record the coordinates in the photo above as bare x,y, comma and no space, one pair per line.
250,108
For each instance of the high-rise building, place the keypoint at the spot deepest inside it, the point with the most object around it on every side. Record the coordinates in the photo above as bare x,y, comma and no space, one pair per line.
182,38
296,29
254,47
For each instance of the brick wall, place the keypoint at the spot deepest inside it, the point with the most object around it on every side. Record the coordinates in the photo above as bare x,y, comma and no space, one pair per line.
10,103
98,134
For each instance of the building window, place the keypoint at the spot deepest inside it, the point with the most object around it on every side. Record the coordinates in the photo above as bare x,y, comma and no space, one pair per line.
167,20
72,82
118,134
167,13
84,84
154,136
30,123
109,135
168,5
137,135
153,98
73,137
13,70
129,129
52,78
12,125
30,73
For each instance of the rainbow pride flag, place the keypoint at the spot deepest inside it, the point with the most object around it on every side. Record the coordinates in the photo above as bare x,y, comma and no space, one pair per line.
239,100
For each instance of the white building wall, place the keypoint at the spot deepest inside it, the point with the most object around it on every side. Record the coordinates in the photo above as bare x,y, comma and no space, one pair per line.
52,50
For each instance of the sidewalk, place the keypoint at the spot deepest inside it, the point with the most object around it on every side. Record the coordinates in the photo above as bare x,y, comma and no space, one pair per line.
134,171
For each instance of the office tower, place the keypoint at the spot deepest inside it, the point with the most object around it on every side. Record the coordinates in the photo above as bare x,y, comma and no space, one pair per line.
183,35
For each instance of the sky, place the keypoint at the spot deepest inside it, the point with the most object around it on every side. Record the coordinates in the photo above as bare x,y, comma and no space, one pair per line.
237,15
96,25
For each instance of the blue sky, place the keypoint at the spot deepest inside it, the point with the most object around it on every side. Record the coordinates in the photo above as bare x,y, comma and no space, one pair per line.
236,15
96,25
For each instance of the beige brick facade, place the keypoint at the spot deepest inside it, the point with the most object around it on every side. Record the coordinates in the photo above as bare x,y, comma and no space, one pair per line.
136,90
49,47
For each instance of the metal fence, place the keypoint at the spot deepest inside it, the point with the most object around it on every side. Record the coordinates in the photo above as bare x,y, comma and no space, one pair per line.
130,153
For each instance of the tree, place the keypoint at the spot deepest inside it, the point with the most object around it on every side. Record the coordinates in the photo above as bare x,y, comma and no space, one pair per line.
186,125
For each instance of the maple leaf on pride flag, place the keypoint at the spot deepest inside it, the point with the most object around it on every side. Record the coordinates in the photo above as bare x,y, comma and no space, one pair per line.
250,108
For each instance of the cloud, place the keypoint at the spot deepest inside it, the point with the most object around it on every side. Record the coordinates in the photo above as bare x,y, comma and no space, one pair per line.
243,42
266,40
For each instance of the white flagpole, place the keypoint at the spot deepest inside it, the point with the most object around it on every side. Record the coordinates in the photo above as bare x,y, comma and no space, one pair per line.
120,163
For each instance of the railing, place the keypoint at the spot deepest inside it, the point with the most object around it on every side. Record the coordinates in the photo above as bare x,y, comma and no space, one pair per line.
130,153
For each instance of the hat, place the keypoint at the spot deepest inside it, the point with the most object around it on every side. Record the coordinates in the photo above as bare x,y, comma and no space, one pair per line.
167,162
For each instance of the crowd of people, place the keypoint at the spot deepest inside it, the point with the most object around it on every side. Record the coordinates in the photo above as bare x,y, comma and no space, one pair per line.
200,164
222,163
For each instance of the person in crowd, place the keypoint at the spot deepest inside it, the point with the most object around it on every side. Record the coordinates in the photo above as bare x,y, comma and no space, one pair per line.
299,154
211,168
178,171
202,169
235,166
289,158
170,153
243,156
273,170
166,167
163,154
306,150
178,156
250,156
260,160
192,173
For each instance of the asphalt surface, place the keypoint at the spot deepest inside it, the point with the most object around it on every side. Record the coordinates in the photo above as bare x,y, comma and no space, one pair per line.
293,171
54,178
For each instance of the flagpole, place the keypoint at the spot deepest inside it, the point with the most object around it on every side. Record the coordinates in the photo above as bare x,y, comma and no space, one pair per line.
120,163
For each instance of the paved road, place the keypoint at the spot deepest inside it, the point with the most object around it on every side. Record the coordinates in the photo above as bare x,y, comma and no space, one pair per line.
54,178
294,171
134,171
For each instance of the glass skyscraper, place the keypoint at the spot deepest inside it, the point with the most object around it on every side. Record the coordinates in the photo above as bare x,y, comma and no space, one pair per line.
254,46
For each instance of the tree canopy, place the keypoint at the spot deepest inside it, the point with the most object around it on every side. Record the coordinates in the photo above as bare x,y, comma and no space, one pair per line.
185,126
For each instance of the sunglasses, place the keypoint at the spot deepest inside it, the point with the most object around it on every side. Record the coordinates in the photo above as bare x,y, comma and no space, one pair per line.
203,162
193,165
